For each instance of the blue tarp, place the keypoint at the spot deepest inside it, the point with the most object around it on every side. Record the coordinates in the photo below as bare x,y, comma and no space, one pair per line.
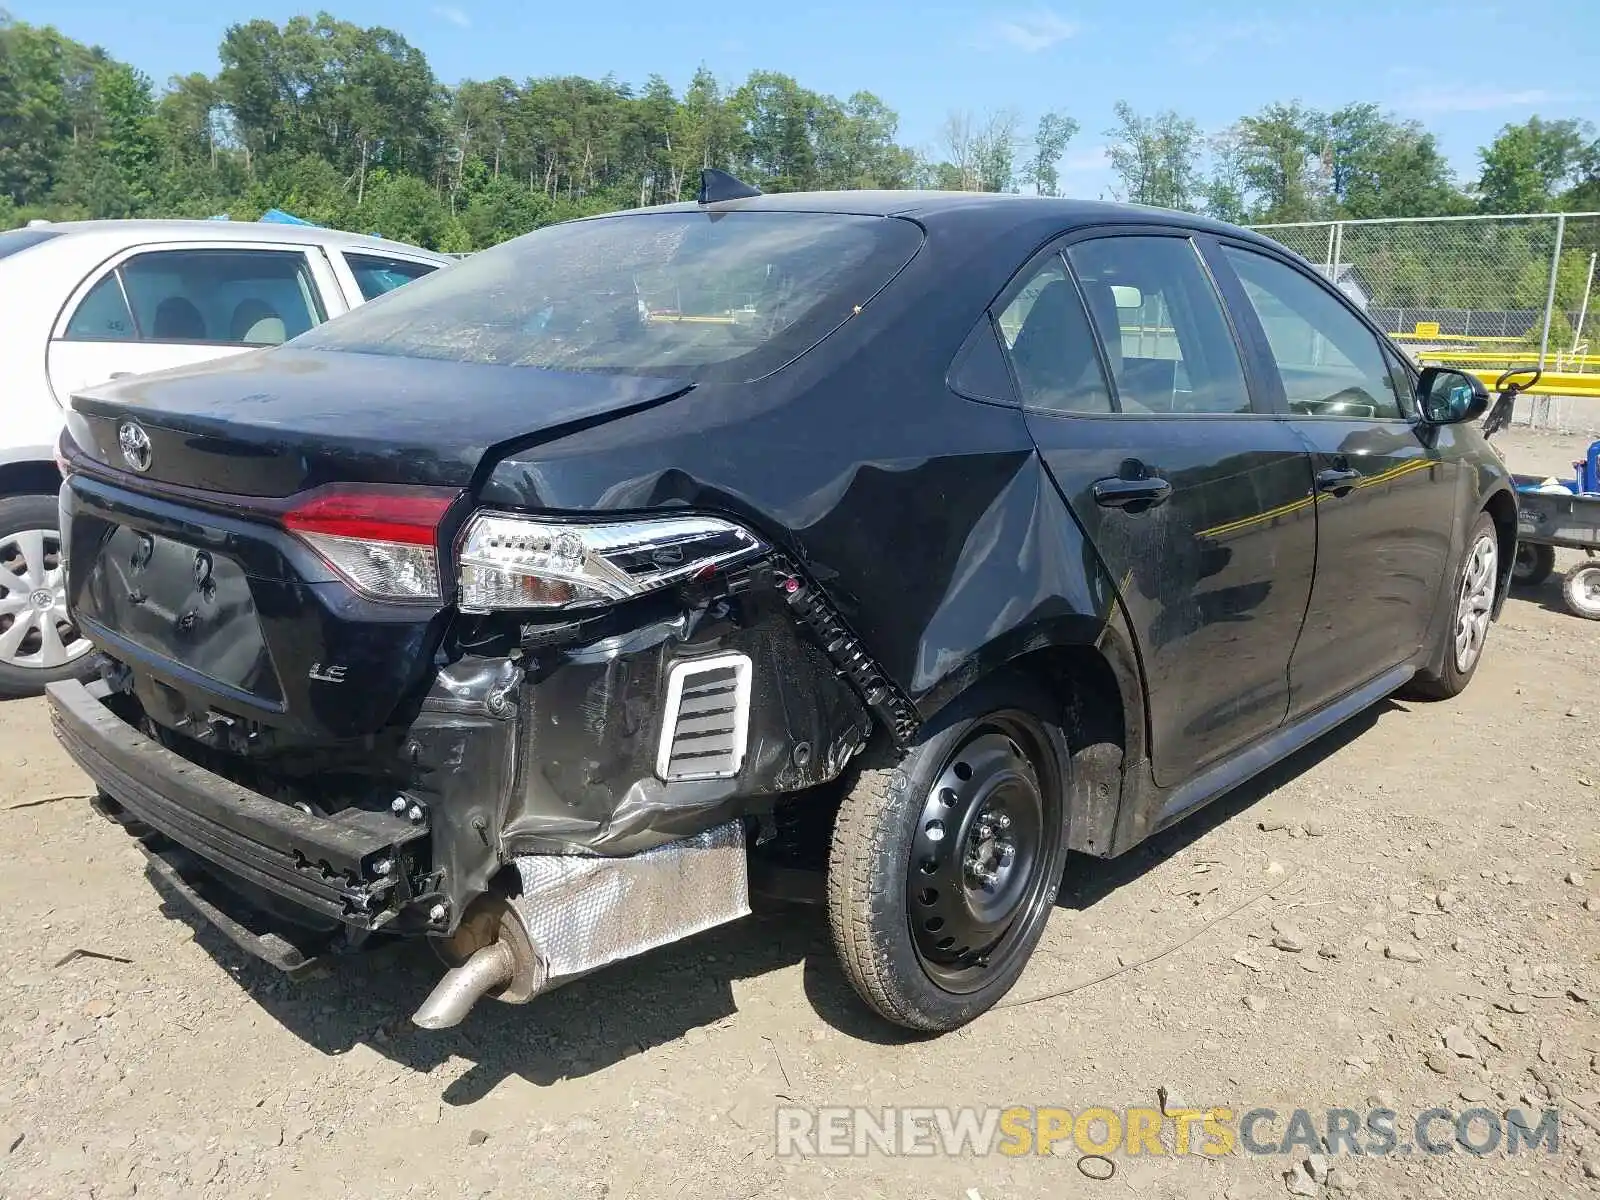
277,216
273,216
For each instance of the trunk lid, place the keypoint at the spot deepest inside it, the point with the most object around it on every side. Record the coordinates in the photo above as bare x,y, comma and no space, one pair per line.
285,420
235,630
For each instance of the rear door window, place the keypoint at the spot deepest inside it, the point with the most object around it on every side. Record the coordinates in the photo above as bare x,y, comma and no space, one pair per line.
1047,337
1162,324
376,275
103,315
204,297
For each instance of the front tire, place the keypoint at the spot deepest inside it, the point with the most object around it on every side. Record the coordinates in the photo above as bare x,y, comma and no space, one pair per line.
944,868
1580,588
38,642
1477,578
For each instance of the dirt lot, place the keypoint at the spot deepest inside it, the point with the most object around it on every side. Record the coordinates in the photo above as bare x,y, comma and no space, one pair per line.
1464,836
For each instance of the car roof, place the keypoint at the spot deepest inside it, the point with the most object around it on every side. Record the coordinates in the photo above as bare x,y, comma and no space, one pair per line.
235,231
931,207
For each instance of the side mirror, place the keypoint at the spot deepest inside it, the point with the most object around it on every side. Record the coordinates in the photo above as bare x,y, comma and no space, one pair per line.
1449,397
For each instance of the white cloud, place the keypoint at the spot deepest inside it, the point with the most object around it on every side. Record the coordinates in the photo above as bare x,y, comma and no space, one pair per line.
456,16
1033,32
1457,98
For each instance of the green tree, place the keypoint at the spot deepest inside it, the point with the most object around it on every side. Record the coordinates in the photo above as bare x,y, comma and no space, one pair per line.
1281,163
504,209
1049,143
1378,167
1528,166
1157,158
775,147
406,209
347,125
1223,191
129,133
35,67
307,185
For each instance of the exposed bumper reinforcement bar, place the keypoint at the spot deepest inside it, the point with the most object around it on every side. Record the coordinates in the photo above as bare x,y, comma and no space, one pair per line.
326,864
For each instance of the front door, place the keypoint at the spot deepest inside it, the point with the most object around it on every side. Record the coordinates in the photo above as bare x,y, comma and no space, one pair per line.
1385,496
1197,504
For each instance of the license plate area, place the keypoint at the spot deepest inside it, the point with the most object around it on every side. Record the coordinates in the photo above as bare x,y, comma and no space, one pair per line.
189,604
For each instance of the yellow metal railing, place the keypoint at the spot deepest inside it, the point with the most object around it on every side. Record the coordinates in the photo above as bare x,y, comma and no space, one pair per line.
1511,358
1411,335
1551,383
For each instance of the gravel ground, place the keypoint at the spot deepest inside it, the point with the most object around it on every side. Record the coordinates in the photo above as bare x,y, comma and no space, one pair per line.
1434,865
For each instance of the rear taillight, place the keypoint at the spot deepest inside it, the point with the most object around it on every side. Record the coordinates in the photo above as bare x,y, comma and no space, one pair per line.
382,540
511,561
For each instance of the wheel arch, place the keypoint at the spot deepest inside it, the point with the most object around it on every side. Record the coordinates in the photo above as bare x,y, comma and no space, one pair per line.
29,477
1501,506
1098,681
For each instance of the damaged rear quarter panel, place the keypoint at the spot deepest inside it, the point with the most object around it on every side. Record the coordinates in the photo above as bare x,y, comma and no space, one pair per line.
593,720
927,519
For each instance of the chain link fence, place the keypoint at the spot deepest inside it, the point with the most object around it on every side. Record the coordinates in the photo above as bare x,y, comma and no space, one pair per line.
1484,293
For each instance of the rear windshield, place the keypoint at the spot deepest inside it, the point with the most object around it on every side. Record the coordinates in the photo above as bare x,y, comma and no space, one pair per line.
714,296
14,241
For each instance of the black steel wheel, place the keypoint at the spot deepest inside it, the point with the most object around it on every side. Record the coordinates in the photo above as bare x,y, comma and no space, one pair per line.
976,854
1533,564
945,867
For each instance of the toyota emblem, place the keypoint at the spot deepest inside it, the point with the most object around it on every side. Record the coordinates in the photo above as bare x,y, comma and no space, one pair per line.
135,443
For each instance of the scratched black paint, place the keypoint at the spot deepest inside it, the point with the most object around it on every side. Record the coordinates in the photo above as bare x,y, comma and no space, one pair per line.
950,530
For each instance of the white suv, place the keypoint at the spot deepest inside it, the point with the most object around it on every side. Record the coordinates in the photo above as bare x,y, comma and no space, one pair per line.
82,302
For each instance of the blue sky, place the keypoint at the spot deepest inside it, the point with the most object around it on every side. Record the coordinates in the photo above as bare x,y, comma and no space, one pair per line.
1426,59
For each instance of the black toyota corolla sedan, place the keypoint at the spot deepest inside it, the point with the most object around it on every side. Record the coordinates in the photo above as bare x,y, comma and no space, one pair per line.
519,610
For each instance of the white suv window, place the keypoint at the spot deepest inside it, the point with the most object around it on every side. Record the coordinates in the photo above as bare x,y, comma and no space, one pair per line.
377,274
103,315
219,297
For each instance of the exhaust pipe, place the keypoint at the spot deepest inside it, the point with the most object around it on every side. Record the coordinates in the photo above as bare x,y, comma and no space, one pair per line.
490,954
564,916
453,996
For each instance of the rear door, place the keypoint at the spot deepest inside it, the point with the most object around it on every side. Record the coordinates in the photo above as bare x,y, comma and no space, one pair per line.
1386,497
154,307
1197,501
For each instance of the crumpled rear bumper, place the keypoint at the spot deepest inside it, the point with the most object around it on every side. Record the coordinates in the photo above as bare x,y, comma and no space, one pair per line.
580,912
591,782
341,868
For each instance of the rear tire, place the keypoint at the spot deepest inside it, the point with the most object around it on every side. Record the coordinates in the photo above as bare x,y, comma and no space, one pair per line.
1533,564
47,648
1477,577
1580,588
944,868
